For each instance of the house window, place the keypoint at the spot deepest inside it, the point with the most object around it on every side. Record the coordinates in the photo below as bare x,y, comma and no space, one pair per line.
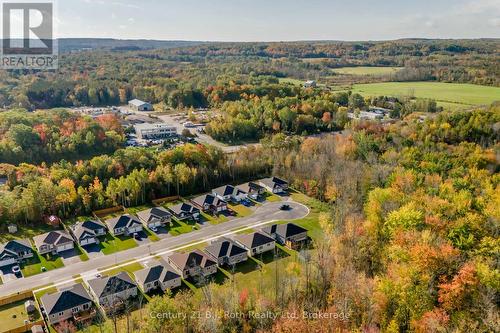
85,306
155,284
261,247
75,310
61,313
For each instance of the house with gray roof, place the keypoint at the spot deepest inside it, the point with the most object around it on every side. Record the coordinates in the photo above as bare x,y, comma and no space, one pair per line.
158,274
67,304
229,193
210,203
184,211
15,251
155,217
53,242
256,242
289,234
226,252
125,224
112,291
88,232
252,189
274,184
192,264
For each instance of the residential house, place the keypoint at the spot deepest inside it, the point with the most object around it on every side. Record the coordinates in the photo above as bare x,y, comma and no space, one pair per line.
15,251
256,243
54,242
112,291
227,252
274,184
229,193
289,234
124,225
192,264
158,275
87,232
253,190
210,203
184,211
155,217
72,303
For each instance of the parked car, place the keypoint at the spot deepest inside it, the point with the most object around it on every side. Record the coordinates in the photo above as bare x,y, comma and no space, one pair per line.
136,235
16,269
285,207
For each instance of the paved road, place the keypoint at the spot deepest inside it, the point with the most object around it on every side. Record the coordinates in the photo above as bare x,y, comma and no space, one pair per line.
268,212
203,138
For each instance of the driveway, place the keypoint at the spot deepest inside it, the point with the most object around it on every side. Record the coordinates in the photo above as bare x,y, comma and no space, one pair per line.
266,213
93,251
70,257
7,275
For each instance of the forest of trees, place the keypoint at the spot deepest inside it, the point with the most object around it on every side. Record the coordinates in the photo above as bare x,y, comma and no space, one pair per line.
183,76
409,242
49,136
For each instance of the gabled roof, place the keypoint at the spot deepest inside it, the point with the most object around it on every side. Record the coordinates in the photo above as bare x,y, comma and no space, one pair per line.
250,186
228,190
191,259
224,248
273,182
92,225
110,285
208,199
183,207
155,213
160,271
65,299
284,230
87,229
54,238
15,246
137,102
122,221
254,240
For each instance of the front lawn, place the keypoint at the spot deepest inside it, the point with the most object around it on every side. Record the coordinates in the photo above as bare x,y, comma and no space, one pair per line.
130,269
151,235
240,210
112,244
213,219
181,227
271,197
81,253
34,265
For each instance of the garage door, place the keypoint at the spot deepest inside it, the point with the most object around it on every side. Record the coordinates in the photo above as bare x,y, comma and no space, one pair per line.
6,262
64,247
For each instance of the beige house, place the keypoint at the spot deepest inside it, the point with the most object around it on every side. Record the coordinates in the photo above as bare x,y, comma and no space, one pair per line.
256,243
159,275
67,304
112,291
193,264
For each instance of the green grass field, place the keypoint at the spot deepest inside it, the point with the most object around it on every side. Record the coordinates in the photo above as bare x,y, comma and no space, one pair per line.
34,265
365,70
12,316
466,94
113,244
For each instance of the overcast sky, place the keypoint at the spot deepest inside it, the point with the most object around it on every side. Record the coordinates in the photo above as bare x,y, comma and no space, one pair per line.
276,20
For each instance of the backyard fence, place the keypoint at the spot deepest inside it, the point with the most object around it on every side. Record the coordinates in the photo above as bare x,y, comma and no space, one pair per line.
107,211
166,199
16,297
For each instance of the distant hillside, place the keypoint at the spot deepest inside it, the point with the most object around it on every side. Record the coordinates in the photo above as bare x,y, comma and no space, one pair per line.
76,44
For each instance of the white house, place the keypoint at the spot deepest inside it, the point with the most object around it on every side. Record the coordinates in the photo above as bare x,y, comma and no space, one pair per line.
66,304
229,193
54,242
125,224
158,275
256,243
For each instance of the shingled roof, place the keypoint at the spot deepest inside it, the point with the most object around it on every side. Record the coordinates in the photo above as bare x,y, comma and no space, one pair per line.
208,199
122,221
110,285
224,248
191,259
284,230
184,207
152,214
160,271
254,240
65,299
55,238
